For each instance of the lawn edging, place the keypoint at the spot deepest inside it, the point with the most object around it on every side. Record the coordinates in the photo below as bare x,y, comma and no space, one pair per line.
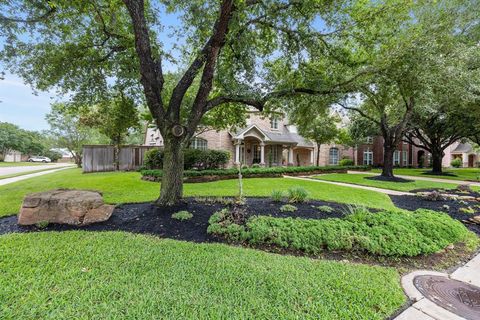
196,176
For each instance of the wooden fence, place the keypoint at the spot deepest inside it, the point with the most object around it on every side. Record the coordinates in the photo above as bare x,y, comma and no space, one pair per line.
100,158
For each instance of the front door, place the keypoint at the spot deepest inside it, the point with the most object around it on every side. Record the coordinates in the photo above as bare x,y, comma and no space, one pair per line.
471,161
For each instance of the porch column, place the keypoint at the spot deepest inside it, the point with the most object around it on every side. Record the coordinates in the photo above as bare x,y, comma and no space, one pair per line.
237,152
312,156
262,153
290,156
465,160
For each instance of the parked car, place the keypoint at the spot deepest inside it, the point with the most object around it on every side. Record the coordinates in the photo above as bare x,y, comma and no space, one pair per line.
39,159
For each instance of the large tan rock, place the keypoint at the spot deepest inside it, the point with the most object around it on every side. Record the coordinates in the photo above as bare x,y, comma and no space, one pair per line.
74,207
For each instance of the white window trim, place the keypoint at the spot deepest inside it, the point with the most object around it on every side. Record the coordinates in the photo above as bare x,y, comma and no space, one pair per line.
367,157
333,160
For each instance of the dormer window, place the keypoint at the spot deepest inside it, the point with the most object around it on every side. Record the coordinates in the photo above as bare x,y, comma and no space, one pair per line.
274,122
369,140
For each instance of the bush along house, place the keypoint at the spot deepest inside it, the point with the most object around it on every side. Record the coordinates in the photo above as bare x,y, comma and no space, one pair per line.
272,141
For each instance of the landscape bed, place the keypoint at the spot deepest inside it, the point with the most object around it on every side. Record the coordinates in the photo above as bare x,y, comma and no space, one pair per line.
270,172
313,228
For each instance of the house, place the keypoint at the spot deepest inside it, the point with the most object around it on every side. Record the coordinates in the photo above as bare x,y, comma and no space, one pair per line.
267,141
273,141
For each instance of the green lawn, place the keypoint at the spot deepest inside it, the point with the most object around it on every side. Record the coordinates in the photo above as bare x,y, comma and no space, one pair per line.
115,275
22,164
400,186
120,187
460,174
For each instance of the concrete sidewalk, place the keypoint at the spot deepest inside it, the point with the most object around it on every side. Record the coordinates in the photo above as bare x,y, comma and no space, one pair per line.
32,175
425,309
385,191
476,184
6,171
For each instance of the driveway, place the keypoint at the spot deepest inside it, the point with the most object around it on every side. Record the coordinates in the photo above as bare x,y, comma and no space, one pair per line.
4,171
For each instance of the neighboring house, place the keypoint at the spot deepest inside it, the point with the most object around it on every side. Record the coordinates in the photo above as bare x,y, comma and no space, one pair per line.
470,157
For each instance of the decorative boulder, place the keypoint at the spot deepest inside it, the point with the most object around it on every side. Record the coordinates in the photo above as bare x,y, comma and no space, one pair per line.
74,207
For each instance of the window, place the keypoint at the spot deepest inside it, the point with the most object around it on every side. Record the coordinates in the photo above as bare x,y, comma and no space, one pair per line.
273,156
369,140
367,157
333,157
199,143
396,158
405,158
274,122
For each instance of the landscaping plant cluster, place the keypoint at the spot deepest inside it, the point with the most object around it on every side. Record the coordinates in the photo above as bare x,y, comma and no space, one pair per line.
193,158
156,175
387,233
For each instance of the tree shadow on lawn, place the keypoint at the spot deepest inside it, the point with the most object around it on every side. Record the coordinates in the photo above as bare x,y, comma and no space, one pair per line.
389,179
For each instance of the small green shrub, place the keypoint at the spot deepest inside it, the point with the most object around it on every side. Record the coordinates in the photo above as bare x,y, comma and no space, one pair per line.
276,195
224,223
346,162
182,215
468,210
153,159
326,209
256,165
297,194
288,208
456,163
42,224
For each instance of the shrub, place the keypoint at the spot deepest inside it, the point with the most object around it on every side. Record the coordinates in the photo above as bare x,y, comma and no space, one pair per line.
346,162
456,163
191,158
326,209
288,208
228,224
297,194
182,215
205,159
390,233
256,165
276,195
153,159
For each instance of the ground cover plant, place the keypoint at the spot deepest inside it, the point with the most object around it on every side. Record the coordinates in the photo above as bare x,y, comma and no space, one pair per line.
75,275
469,174
182,215
388,233
126,187
288,208
363,179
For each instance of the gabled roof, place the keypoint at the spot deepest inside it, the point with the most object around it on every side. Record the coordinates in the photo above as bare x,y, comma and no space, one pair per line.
283,136
463,148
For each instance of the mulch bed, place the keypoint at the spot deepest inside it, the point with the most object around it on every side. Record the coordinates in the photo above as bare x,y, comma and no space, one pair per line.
150,219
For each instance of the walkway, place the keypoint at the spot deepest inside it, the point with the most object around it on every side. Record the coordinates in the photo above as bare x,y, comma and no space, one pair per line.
32,175
460,301
476,184
385,191
6,171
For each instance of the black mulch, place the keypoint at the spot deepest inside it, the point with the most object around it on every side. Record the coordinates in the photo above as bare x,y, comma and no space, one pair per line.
149,219
389,179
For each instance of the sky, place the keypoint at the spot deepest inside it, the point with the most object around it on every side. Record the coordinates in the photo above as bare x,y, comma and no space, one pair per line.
21,106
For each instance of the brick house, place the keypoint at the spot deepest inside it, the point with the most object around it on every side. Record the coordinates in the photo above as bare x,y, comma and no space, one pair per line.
272,141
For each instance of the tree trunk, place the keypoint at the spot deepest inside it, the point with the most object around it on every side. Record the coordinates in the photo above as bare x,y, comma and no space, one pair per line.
171,190
318,154
437,157
387,170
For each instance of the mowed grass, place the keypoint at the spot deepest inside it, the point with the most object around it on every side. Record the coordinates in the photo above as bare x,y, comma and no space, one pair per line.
361,179
124,187
115,275
23,164
455,174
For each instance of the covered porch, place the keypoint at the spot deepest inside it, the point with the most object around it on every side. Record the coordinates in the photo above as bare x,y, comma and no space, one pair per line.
254,146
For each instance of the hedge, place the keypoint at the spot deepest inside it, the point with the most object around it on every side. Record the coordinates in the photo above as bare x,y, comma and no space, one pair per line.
389,233
193,158
156,175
